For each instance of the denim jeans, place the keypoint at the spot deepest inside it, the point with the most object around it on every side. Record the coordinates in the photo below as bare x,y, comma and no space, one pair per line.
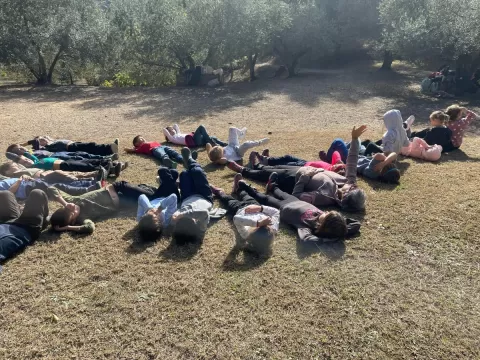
340,146
163,152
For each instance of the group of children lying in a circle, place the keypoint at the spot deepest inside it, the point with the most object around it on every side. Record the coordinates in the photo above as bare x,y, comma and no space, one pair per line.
74,175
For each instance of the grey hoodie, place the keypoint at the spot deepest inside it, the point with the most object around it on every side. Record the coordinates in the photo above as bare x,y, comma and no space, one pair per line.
396,137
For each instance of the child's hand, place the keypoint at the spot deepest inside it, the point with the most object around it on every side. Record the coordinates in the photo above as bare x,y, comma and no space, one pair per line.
265,222
26,178
356,133
251,209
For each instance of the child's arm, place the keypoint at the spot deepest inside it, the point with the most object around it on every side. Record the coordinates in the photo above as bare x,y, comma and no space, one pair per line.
143,206
353,152
388,160
87,227
31,156
176,128
305,234
170,205
130,150
167,134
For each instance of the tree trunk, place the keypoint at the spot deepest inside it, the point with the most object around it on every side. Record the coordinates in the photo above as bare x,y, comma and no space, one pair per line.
295,58
252,60
52,65
387,60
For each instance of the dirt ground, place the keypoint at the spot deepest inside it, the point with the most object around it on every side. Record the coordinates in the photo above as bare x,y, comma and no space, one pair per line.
407,288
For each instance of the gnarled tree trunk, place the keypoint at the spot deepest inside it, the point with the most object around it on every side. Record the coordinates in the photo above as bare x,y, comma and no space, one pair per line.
387,60
252,60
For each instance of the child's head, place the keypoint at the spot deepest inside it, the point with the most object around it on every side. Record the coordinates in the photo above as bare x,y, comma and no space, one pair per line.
390,174
150,226
353,199
438,118
187,230
331,224
138,141
260,240
16,149
65,216
9,168
171,130
455,112
215,153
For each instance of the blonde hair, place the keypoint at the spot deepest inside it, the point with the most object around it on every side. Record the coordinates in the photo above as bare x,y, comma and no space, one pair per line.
440,116
453,111
215,153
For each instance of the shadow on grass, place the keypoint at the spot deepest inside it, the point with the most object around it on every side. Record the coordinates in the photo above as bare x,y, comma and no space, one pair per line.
250,260
181,252
333,251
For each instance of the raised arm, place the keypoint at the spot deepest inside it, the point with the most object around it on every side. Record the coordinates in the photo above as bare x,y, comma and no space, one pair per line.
143,206
168,135
130,150
170,205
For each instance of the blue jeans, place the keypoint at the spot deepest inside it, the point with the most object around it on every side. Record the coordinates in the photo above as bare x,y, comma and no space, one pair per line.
80,155
193,181
163,152
202,138
340,146
286,160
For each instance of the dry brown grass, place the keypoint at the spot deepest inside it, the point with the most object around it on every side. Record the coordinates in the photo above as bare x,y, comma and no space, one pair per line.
407,288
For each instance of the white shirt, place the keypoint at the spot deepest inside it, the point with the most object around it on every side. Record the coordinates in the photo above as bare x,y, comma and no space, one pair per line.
178,138
245,222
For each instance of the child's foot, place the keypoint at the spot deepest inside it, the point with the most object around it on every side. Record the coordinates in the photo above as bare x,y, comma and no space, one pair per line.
117,169
125,165
102,174
159,181
194,155
232,165
167,162
252,160
263,159
266,152
322,155
264,141
216,190
114,146
186,155
236,180
243,133
409,122
113,157
272,181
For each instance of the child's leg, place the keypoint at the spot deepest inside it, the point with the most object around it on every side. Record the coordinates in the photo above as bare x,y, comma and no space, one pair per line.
168,183
160,154
34,214
219,142
173,155
232,204
247,145
233,136
129,193
261,198
285,160
373,148
336,157
340,146
201,137
91,148
69,189
282,195
75,165
9,207
200,182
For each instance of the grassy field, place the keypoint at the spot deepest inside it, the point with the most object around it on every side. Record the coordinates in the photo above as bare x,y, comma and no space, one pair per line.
407,288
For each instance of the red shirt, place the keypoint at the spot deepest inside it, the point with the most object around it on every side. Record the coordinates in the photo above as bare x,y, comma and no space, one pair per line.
147,148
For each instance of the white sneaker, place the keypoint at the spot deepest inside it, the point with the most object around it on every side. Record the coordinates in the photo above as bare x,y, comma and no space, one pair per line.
409,122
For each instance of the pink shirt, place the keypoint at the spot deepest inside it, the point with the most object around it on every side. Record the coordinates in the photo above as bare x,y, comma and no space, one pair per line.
459,127
320,165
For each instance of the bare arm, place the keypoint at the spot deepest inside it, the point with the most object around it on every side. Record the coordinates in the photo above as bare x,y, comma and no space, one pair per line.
129,150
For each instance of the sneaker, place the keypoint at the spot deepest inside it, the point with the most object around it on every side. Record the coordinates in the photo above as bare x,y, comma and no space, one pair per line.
194,155
125,165
114,146
266,152
117,169
158,180
102,174
186,155
236,180
323,156
409,122
263,159
252,160
216,190
114,157
167,162
272,180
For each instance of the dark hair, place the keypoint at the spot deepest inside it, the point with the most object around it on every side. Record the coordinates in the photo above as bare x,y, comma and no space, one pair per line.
186,231
60,218
260,240
334,226
11,148
390,174
453,111
5,167
135,139
149,228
